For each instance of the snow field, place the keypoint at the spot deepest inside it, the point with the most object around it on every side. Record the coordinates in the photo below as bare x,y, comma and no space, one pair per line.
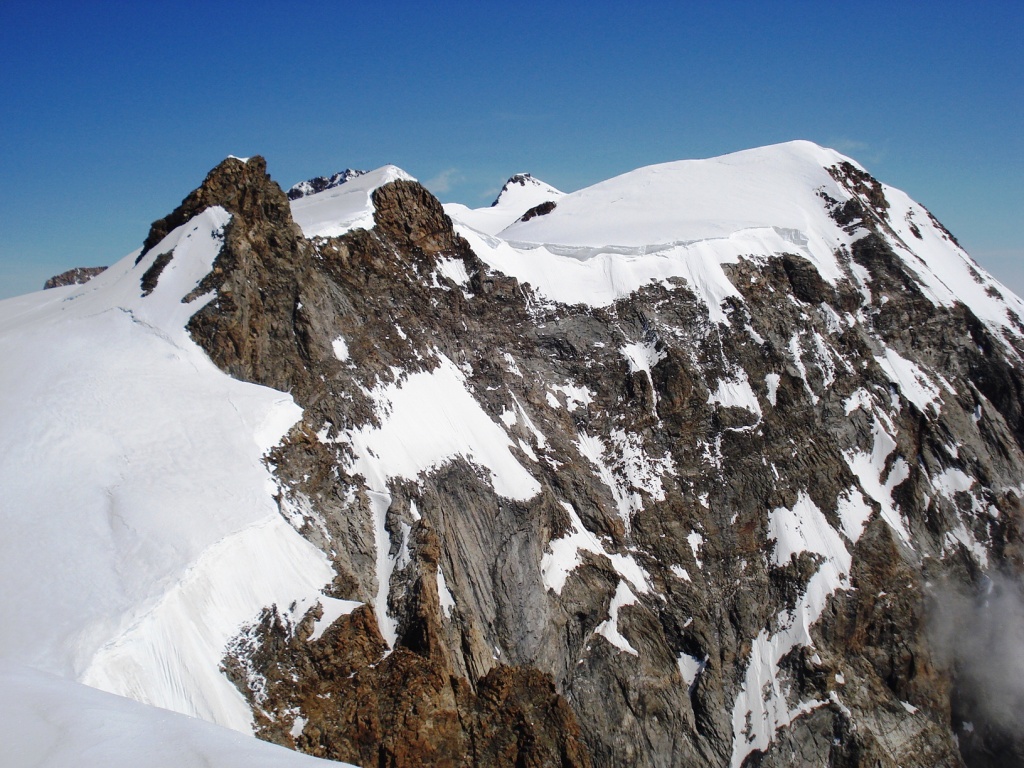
515,200
870,470
428,419
737,393
563,557
609,628
141,530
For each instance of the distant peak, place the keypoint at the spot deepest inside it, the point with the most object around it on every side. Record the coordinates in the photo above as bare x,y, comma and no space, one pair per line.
322,183
522,179
519,182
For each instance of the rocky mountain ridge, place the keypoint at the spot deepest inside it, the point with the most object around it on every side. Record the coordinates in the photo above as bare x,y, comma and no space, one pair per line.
322,183
713,519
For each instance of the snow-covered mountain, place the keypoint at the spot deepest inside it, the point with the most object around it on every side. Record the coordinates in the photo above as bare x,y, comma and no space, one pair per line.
520,195
322,183
706,464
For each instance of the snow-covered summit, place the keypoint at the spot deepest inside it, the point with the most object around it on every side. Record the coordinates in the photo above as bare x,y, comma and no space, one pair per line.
523,189
686,200
346,206
521,193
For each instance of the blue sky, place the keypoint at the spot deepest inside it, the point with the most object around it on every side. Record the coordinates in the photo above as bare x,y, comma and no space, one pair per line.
113,112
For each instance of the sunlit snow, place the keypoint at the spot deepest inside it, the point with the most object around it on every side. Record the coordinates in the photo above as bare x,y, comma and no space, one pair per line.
518,196
155,534
348,206
762,705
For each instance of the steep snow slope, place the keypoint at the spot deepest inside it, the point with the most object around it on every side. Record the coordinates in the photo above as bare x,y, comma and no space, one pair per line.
140,528
520,193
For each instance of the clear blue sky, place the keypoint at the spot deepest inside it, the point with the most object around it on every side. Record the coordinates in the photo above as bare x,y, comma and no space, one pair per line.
110,113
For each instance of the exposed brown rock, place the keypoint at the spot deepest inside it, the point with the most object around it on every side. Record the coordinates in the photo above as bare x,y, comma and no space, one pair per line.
75,276
539,210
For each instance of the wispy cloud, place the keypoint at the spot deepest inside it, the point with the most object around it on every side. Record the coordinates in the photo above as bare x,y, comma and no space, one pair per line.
443,181
979,636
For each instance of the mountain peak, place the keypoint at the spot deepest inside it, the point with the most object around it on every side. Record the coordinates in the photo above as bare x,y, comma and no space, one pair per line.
234,184
522,185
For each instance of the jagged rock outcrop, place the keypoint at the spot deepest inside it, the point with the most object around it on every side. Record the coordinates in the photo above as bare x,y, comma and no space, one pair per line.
75,276
539,210
723,541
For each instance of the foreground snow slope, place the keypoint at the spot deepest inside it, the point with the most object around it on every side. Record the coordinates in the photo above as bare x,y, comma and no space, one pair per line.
51,722
140,529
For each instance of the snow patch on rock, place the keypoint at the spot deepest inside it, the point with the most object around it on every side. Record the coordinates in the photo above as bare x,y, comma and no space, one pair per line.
762,705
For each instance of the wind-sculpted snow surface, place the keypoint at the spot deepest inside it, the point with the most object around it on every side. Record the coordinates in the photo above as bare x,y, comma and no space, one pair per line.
664,473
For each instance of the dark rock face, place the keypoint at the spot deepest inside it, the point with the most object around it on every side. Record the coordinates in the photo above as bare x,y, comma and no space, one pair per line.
538,210
151,276
657,647
75,276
